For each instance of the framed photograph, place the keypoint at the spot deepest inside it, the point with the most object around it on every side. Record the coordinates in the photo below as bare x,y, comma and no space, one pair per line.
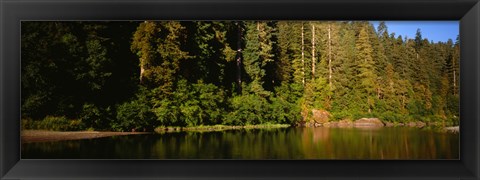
239,89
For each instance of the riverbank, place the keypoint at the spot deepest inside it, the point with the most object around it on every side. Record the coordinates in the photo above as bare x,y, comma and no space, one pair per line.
454,129
163,129
28,136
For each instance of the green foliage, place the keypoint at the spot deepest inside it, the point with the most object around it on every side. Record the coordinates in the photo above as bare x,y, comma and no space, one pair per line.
284,112
54,123
367,75
199,103
158,45
97,117
317,94
66,64
392,117
167,112
126,76
247,110
257,55
91,115
135,115
191,105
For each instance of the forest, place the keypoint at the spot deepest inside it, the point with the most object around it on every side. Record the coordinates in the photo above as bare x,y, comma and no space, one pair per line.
140,75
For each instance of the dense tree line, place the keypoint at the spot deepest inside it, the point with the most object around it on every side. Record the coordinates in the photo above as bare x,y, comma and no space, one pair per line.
141,75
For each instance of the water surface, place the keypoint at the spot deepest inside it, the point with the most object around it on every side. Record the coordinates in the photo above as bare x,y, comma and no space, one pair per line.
279,143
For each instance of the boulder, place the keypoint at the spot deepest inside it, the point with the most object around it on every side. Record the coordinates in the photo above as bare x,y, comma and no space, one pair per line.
320,116
411,124
333,124
389,124
345,123
420,124
318,124
454,129
328,124
306,124
368,122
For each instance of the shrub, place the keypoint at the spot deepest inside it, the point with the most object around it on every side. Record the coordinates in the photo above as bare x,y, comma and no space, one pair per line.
166,112
191,105
341,115
58,124
248,110
90,115
136,114
211,103
453,105
133,115
284,112
453,120
96,117
27,124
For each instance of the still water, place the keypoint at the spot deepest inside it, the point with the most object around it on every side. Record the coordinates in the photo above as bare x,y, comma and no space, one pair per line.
281,143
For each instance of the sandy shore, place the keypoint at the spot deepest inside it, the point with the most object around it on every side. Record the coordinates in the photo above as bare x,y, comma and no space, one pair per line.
45,136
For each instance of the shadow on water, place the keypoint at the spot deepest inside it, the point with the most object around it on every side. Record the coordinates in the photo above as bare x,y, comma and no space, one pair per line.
281,143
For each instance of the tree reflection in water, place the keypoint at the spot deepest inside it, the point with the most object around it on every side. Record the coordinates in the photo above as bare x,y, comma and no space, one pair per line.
281,143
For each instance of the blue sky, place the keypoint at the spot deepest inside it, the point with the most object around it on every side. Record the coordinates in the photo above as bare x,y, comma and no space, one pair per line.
432,30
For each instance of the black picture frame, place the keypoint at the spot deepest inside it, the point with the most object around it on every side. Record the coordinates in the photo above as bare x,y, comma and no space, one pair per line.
12,12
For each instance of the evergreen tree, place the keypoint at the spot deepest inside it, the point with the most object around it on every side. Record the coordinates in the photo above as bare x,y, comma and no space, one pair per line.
127,76
366,70
158,45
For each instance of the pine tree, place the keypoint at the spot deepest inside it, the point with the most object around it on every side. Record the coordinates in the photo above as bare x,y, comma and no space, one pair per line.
418,40
366,67
257,54
210,52
186,73
239,55
284,53
345,72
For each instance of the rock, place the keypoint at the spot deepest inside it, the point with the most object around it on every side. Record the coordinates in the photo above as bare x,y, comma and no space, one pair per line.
411,124
389,124
320,116
368,122
330,124
309,124
345,123
302,124
454,129
327,124
400,124
333,124
420,124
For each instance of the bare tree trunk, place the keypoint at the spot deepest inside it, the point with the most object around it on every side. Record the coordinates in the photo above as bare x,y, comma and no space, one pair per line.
329,57
313,51
142,70
239,57
142,64
303,58
454,79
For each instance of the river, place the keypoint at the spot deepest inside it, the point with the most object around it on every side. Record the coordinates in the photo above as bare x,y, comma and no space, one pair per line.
276,143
